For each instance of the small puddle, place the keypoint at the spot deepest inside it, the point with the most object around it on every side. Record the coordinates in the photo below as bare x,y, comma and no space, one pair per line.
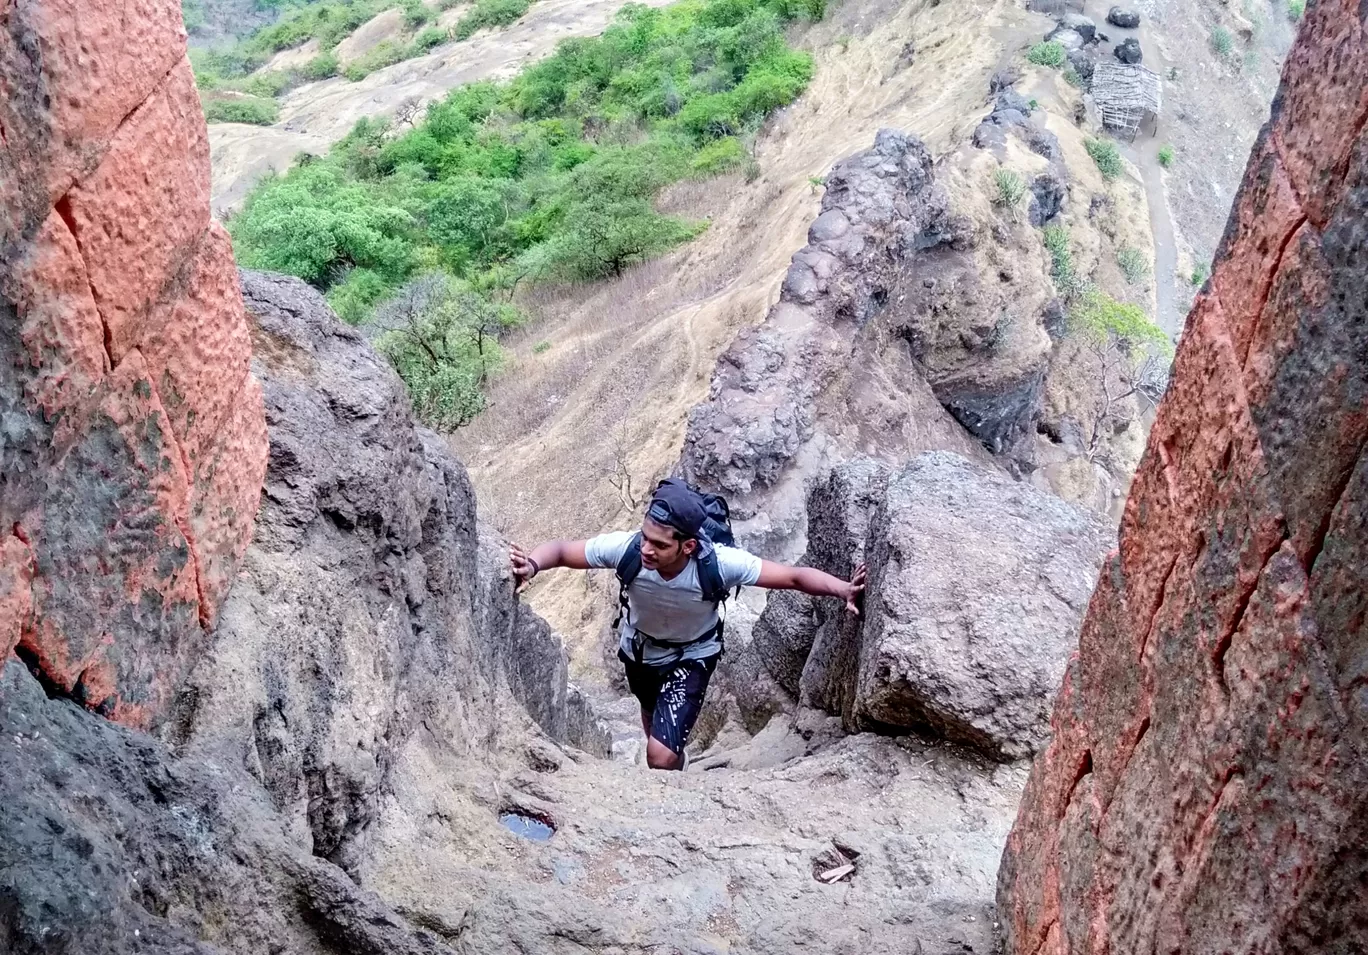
528,827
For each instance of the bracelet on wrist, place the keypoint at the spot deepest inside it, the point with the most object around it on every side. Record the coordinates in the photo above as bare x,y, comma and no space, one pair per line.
536,568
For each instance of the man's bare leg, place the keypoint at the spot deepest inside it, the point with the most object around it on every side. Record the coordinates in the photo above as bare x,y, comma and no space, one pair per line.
660,756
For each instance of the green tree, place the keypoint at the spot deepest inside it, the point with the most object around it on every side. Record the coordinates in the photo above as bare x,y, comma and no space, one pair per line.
602,239
442,337
1130,357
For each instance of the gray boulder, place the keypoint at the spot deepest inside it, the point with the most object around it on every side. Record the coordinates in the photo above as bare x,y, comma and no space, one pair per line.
1004,79
1085,27
1069,39
1083,64
1123,18
1128,51
977,589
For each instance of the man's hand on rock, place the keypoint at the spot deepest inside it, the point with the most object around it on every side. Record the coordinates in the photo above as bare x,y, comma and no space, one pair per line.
855,588
524,568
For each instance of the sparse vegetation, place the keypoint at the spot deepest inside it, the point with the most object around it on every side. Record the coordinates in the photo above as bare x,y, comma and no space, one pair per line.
1199,273
1011,188
1073,78
1131,357
1166,156
1107,157
816,182
1133,264
1048,53
256,110
491,13
549,176
1222,42
541,347
1296,9
1056,239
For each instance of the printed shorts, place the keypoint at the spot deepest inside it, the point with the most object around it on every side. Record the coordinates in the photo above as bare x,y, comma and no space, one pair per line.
672,694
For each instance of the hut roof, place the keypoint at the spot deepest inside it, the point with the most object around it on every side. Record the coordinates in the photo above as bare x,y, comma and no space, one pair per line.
1124,92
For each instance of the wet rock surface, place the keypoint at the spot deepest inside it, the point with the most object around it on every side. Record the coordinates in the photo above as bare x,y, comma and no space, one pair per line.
1205,784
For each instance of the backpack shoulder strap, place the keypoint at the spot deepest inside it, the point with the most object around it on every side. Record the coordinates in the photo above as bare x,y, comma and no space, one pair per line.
710,576
628,566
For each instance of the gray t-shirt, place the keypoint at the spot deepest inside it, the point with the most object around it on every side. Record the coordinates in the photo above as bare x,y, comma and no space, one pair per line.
671,611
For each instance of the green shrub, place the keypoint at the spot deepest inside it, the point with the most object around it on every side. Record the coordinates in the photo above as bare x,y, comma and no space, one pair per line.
1133,264
1056,239
541,347
1048,53
1011,188
244,109
192,13
1199,273
320,67
1107,157
1295,9
1222,42
443,339
429,38
718,156
490,13
1166,156
1073,78
1097,315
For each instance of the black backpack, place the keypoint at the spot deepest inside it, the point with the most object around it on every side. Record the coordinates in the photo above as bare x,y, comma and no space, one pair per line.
716,530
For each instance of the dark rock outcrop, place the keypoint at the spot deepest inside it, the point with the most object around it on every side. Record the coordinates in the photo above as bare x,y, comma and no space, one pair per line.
1047,198
132,441
1066,37
1125,19
1206,787
883,219
1084,65
1128,51
110,845
977,587
368,607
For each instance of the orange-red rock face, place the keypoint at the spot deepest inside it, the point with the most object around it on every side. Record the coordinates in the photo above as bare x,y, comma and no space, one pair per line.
1206,789
132,438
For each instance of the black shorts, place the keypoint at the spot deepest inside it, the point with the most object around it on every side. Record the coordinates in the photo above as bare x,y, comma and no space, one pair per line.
672,694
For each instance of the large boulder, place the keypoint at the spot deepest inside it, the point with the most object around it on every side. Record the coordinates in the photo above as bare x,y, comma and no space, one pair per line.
1085,27
977,588
1125,19
1128,51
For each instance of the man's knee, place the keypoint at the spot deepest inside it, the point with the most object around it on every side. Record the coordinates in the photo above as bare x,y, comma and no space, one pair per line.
660,756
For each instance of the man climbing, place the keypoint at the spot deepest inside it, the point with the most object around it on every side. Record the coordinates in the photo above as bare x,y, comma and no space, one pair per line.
674,574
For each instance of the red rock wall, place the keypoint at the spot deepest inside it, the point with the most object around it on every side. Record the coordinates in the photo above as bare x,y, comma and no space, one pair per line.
1206,789
132,438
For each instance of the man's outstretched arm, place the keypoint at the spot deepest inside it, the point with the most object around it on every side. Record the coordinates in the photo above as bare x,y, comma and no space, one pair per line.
812,581
544,557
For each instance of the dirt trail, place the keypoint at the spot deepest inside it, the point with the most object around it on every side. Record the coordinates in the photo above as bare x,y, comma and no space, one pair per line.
619,365
316,115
